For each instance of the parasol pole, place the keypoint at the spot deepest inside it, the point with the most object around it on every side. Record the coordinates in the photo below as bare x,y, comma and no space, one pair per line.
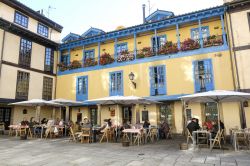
39,113
218,108
117,108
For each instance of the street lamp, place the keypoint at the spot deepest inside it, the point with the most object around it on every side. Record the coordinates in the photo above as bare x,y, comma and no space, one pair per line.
131,77
202,83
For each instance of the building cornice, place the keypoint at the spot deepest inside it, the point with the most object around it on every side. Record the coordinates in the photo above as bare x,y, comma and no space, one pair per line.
30,12
17,30
238,5
181,19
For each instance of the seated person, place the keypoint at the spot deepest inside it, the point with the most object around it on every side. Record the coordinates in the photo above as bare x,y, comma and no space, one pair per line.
214,129
146,124
44,121
25,122
208,125
125,125
86,123
57,121
61,123
164,129
222,126
193,125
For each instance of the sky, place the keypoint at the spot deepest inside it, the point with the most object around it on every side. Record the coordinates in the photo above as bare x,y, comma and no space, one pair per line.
77,16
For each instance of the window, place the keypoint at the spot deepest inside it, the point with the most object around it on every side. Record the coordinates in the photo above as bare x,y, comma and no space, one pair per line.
203,75
116,84
158,42
42,30
144,115
189,114
25,111
22,87
195,33
21,19
25,52
65,59
157,80
211,112
47,88
82,88
89,54
127,114
49,60
121,47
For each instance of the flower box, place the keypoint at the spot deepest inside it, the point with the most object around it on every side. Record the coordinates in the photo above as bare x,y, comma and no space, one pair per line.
125,56
106,59
190,44
90,62
168,48
75,65
62,67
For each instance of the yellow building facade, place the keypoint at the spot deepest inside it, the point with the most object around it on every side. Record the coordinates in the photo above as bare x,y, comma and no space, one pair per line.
28,59
167,57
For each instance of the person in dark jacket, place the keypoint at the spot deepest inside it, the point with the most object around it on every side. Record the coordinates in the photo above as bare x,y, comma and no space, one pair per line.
193,125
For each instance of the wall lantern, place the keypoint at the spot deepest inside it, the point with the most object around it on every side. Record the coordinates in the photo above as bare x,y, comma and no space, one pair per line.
131,77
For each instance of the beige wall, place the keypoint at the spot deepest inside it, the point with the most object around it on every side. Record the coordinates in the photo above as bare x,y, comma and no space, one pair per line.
8,84
178,115
11,48
8,14
37,56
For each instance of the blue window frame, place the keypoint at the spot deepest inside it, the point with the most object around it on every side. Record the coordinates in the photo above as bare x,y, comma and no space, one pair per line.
121,47
116,83
42,30
21,19
195,33
82,88
49,60
158,42
65,59
89,54
157,75
203,75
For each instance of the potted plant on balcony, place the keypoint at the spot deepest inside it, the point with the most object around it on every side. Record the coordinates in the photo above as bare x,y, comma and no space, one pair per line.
62,66
147,51
168,48
189,44
125,56
75,65
106,58
90,62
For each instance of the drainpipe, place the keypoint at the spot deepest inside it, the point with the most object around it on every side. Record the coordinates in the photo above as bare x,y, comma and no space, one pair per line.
56,70
2,52
234,54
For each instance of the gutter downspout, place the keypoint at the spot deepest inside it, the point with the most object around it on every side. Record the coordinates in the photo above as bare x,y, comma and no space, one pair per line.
231,56
56,73
3,42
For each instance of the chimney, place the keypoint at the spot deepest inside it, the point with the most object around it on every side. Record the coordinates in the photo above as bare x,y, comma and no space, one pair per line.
143,12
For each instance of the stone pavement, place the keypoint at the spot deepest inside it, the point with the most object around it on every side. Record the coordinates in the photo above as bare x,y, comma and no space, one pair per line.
62,152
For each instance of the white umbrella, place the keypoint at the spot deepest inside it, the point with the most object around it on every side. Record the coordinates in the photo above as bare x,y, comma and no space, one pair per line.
122,100
217,96
36,103
66,102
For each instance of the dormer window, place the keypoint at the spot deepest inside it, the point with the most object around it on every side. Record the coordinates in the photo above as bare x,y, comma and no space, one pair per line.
21,19
159,15
43,30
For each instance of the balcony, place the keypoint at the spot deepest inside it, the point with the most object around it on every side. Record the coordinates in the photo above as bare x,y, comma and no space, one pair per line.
168,49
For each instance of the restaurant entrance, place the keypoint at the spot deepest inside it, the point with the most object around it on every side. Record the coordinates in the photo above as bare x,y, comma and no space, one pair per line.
5,114
127,114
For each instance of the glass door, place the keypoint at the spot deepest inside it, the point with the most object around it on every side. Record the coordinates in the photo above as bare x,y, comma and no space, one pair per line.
127,114
5,114
93,116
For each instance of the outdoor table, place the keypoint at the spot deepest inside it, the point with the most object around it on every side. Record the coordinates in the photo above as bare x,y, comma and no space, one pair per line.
131,131
235,133
196,133
17,127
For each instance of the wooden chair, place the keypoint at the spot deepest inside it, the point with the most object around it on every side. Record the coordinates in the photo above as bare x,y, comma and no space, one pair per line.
153,134
105,135
22,131
216,140
222,136
86,133
60,131
189,136
2,127
49,132
241,140
139,138
73,136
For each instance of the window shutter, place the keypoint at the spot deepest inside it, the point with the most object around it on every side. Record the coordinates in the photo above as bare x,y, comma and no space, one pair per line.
209,81
197,85
152,81
83,93
161,80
